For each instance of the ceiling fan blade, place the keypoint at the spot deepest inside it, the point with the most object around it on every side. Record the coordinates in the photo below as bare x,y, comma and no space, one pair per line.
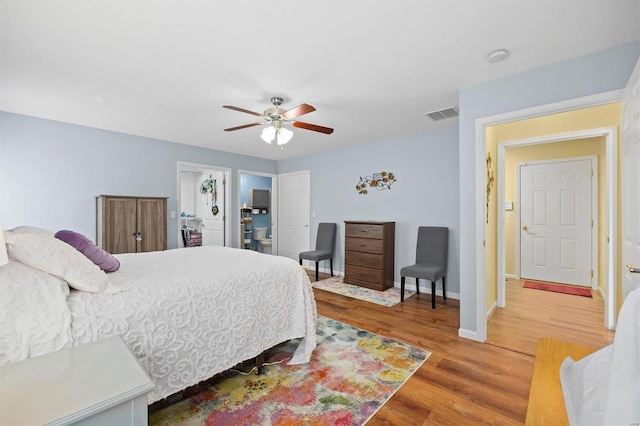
244,126
242,110
298,111
313,127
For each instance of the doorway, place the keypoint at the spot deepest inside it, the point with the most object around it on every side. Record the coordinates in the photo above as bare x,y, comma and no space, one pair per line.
558,220
203,194
259,222
477,305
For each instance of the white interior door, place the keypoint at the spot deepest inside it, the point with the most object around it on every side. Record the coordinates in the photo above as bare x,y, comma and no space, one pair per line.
293,215
631,183
212,224
556,222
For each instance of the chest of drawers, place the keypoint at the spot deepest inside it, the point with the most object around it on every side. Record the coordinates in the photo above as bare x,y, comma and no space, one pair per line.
369,254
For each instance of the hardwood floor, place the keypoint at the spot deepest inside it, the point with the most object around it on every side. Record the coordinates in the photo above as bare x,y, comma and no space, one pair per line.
531,314
462,382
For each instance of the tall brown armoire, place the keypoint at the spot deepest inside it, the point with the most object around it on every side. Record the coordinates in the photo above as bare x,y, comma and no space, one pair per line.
131,224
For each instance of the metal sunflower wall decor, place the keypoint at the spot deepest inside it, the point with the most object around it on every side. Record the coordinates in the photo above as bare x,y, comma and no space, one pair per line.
490,181
379,181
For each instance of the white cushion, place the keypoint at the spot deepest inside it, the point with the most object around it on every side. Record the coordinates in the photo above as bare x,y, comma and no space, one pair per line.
47,253
34,316
584,387
25,229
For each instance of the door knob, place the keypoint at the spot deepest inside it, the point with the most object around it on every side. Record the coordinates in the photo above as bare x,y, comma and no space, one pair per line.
632,269
525,228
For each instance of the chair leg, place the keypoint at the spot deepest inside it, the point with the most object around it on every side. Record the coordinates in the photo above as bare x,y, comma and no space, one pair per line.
317,270
418,286
300,262
331,265
433,294
402,289
444,293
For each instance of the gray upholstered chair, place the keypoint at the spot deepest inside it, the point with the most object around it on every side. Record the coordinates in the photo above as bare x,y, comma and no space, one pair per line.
325,240
431,260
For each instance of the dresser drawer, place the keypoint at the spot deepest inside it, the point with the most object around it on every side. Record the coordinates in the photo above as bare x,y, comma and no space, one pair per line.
365,245
363,259
362,273
362,230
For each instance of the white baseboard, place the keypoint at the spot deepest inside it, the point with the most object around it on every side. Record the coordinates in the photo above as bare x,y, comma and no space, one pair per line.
511,276
492,309
468,334
426,289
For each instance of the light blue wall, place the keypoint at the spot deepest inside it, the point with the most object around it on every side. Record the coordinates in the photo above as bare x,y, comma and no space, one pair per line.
425,194
586,75
51,172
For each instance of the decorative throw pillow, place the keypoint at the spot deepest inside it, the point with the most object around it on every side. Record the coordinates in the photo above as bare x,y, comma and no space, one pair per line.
58,258
97,255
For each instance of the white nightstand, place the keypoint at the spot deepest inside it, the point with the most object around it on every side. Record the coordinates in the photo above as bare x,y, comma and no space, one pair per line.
99,383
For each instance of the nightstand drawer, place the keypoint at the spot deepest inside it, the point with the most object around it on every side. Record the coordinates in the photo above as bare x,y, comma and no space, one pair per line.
363,259
365,245
361,230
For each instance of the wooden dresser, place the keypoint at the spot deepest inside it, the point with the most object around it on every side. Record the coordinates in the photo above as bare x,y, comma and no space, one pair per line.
369,254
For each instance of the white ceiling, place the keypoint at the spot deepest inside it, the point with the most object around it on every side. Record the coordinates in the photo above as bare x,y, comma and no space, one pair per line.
372,68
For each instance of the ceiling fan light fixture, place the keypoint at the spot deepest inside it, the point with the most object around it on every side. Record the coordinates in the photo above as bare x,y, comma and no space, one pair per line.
284,135
268,134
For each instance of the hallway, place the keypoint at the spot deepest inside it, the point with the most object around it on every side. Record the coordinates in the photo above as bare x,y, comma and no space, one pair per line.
531,314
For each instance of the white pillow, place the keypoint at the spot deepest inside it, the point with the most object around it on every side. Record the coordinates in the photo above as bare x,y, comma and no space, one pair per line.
34,316
25,229
47,253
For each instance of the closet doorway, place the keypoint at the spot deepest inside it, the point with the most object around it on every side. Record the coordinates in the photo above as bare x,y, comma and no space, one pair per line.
203,194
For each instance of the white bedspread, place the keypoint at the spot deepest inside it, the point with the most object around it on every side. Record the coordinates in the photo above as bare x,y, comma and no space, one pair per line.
189,314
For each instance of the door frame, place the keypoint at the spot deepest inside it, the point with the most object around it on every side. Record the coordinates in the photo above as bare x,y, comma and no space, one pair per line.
594,215
273,211
481,124
187,166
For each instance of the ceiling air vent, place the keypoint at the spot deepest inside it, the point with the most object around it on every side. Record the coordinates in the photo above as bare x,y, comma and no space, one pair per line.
443,113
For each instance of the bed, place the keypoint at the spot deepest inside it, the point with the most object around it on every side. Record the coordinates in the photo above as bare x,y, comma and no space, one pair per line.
186,314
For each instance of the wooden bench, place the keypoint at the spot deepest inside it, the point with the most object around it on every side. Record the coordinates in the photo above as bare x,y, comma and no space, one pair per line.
546,403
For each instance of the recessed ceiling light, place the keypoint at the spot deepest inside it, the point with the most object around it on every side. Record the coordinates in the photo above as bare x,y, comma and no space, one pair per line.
498,55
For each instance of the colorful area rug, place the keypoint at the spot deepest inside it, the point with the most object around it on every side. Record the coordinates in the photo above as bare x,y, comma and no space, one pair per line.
389,297
351,374
557,288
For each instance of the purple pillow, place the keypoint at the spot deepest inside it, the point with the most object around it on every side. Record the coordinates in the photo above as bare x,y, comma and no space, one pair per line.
101,258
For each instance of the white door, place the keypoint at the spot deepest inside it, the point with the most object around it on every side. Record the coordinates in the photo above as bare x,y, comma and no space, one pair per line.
555,219
212,224
631,183
293,215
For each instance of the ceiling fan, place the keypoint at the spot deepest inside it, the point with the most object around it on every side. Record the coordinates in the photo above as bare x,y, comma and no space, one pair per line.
277,117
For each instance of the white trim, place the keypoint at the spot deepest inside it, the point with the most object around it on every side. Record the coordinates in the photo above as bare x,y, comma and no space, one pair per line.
273,212
425,287
481,209
184,166
511,277
471,335
491,310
